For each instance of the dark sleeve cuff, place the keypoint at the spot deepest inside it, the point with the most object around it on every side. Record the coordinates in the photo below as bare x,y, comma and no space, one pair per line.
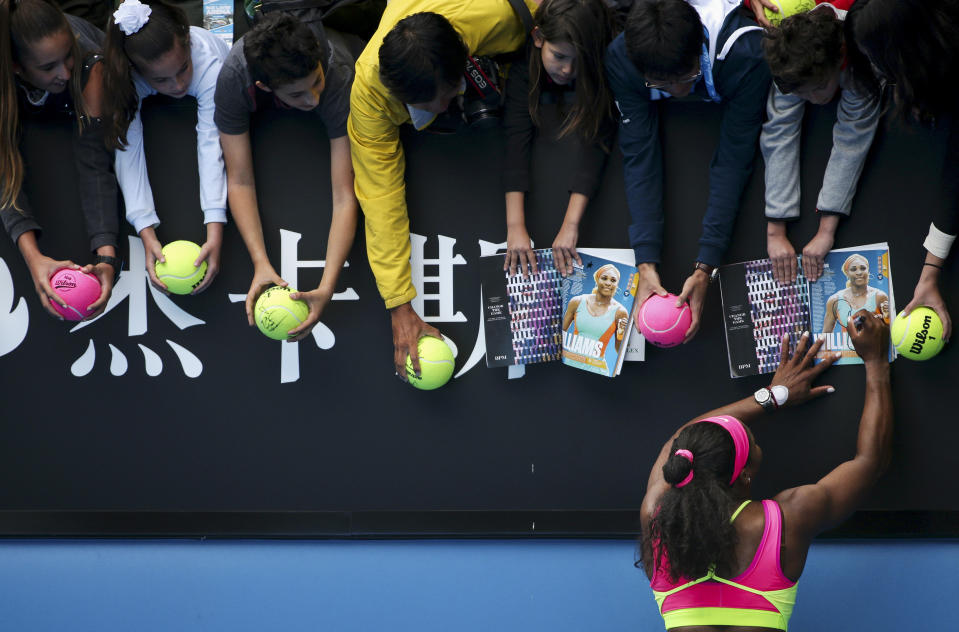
710,255
16,222
514,180
103,239
647,254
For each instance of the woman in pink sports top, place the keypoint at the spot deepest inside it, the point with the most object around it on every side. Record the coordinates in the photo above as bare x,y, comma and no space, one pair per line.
716,560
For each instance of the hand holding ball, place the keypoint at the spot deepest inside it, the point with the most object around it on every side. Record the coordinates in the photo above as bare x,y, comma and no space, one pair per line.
788,8
917,336
663,324
436,364
276,313
178,273
77,289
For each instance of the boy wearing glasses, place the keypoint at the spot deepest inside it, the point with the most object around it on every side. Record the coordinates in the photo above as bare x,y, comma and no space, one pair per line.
807,58
688,50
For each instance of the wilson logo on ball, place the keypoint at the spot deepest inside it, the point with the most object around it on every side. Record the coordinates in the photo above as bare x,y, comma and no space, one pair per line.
922,335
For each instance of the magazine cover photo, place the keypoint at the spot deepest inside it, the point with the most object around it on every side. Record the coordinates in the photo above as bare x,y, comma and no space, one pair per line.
597,299
852,280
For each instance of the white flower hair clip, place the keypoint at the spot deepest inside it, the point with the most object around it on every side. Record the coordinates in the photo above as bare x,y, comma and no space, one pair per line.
131,16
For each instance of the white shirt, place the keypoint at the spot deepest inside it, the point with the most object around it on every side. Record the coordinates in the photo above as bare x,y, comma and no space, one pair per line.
208,52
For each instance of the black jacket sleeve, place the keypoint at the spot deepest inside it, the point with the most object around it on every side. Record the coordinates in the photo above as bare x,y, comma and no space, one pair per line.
591,161
518,125
16,222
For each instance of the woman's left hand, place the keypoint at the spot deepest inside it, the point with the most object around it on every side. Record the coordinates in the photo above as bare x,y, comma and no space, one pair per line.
798,371
210,252
564,248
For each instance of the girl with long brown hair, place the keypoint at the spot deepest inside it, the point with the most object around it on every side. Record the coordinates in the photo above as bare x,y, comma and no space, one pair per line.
564,66
152,49
49,68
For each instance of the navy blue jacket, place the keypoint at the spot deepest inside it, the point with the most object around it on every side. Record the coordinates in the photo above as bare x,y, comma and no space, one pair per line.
742,81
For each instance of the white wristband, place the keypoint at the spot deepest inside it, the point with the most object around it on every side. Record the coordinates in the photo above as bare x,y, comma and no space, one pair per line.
938,242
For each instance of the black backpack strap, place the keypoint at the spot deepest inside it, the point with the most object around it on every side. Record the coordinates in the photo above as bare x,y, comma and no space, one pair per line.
522,12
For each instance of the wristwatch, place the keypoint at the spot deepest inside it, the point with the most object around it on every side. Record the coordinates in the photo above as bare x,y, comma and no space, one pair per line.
111,261
712,272
771,398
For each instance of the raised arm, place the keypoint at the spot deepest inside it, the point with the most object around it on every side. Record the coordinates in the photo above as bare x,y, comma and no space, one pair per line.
811,509
796,372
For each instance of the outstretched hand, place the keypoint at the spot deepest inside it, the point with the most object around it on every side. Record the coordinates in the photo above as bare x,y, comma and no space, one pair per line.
408,328
317,301
105,274
927,293
264,276
760,15
41,269
798,371
694,292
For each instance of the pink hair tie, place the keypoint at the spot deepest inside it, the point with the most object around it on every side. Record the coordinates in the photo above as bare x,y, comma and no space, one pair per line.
686,454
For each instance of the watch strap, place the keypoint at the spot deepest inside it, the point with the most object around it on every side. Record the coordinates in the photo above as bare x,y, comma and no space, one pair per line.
112,261
711,271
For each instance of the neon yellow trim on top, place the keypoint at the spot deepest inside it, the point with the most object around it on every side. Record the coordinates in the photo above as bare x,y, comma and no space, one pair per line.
740,508
724,616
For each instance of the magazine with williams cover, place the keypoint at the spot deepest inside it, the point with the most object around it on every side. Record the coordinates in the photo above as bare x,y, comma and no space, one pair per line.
523,315
758,311
598,302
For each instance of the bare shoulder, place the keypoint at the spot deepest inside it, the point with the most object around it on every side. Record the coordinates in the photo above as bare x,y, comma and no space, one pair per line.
804,508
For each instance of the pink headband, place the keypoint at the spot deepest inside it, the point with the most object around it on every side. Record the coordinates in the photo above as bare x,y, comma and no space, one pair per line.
740,442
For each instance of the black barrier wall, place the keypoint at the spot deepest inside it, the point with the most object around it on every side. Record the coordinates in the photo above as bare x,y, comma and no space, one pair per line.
171,416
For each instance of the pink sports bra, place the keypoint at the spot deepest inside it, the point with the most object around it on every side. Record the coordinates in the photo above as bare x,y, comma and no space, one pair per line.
761,596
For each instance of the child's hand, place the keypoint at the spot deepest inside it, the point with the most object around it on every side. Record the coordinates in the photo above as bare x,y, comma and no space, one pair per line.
519,251
264,276
317,300
104,273
41,269
154,253
782,253
564,248
210,252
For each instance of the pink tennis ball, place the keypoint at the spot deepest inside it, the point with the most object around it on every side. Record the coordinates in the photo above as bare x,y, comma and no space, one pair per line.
77,289
663,324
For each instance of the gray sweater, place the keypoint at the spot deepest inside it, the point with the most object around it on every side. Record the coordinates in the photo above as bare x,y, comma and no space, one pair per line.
856,120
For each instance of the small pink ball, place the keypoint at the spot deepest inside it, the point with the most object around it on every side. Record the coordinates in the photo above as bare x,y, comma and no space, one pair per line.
77,289
663,324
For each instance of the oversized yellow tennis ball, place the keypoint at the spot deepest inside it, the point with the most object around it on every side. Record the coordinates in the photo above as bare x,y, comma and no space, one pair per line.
178,273
787,8
436,364
276,313
917,336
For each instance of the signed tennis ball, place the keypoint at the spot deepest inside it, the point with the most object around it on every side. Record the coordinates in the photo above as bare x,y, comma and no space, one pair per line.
436,364
787,8
178,273
276,313
661,322
77,289
917,336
